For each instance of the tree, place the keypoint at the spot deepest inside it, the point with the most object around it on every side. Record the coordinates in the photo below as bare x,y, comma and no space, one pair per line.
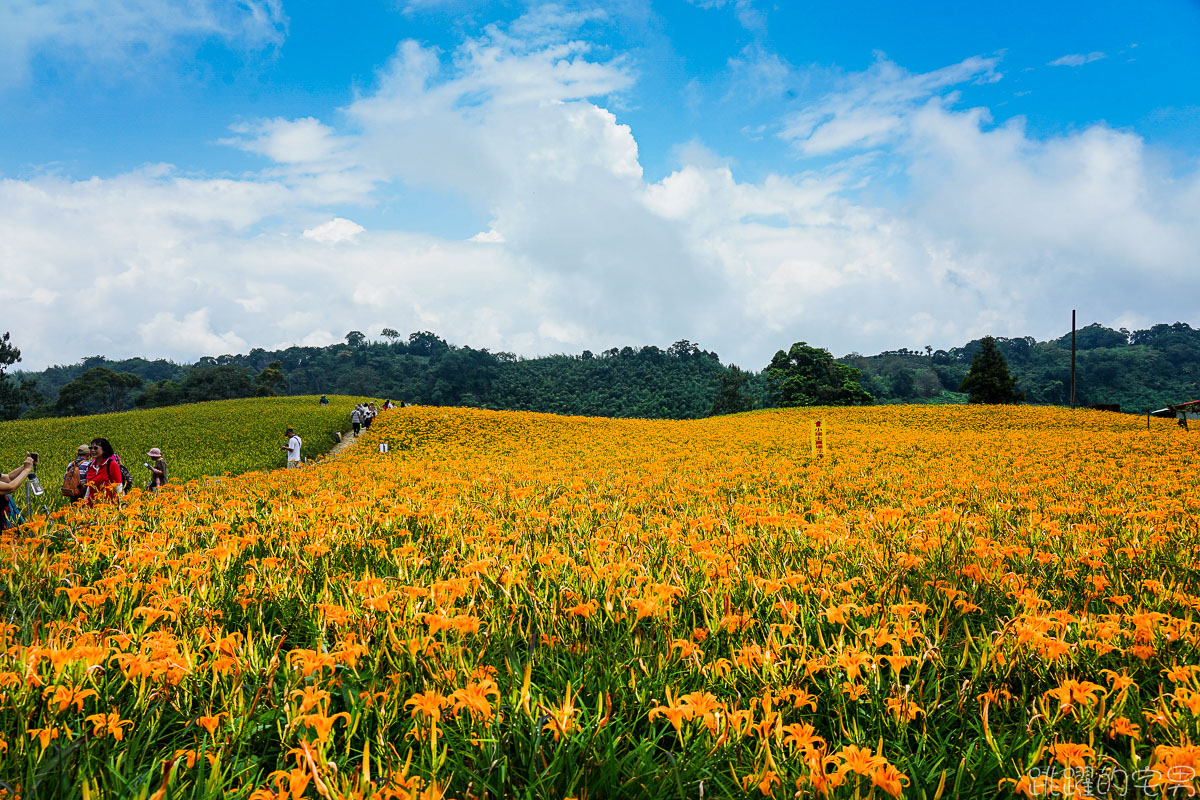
14,394
356,338
808,376
271,380
98,389
731,393
160,393
9,354
1091,337
902,382
683,349
424,343
225,382
988,379
391,334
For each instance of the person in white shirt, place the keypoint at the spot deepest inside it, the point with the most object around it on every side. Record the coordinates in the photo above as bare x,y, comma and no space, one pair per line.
293,449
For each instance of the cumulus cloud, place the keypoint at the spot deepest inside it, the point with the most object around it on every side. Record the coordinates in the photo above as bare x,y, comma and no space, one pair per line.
1077,59
999,230
334,231
127,32
1002,233
300,141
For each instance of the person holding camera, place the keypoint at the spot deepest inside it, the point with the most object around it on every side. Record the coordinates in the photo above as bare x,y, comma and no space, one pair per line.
11,481
157,467
294,443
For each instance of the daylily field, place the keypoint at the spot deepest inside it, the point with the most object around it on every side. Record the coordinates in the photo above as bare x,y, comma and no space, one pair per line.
954,602
214,438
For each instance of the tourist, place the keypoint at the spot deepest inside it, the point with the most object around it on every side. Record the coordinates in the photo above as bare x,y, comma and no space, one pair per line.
104,479
10,482
158,469
356,419
74,485
293,446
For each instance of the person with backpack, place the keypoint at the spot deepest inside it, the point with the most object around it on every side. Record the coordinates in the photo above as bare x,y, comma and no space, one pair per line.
74,485
9,483
106,474
356,419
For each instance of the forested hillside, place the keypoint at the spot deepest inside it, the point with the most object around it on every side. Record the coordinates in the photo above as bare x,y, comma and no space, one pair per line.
679,382
1137,370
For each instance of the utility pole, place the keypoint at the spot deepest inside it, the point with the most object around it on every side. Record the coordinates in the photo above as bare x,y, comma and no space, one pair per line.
1072,358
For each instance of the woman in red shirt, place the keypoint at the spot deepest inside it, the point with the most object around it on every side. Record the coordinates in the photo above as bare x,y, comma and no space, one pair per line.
104,475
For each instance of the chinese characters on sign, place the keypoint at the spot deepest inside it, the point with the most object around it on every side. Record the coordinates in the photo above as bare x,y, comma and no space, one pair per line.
818,438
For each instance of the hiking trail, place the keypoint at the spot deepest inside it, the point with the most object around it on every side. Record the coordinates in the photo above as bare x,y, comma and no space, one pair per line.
348,438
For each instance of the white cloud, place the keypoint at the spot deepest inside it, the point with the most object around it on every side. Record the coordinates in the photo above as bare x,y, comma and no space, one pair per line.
872,108
750,17
999,232
164,329
334,231
1077,59
758,74
491,235
1002,234
127,33
300,141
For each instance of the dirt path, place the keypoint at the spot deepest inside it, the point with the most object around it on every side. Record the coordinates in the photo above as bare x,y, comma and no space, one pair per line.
348,439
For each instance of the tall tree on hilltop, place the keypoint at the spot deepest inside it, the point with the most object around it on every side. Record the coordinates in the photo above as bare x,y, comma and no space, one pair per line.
988,380
808,376
424,343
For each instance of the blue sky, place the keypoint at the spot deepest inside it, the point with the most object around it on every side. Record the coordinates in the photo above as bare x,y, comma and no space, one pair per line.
552,177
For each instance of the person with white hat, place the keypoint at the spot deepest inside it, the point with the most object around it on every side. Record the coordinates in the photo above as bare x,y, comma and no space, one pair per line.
158,469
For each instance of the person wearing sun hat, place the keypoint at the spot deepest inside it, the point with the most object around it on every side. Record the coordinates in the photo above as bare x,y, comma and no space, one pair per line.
157,467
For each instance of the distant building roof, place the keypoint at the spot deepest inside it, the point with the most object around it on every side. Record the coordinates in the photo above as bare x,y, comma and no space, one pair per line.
1190,407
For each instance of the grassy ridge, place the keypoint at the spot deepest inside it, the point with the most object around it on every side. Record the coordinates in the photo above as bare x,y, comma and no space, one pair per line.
226,436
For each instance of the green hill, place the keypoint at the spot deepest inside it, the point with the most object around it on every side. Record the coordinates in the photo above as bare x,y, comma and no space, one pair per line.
231,436
1136,370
